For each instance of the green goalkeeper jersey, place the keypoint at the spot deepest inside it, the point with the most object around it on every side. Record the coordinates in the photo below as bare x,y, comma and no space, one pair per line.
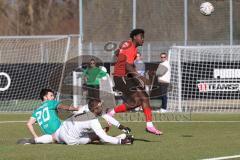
94,75
47,117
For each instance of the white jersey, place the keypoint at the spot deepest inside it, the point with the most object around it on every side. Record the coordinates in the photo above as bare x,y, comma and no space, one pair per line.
166,77
76,132
108,118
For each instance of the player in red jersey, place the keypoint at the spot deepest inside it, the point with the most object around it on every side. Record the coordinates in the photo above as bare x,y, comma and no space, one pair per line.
130,82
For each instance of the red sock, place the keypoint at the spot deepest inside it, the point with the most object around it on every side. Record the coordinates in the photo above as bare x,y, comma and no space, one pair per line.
148,114
120,108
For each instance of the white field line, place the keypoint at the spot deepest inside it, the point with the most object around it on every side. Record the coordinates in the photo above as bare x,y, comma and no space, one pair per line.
222,158
2,122
188,121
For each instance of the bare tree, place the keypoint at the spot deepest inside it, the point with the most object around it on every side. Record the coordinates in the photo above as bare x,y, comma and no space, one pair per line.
38,17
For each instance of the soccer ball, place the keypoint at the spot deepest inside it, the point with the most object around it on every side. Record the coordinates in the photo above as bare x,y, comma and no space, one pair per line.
206,8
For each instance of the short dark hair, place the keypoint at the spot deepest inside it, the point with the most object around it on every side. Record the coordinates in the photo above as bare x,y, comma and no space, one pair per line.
92,103
44,92
92,60
163,53
136,32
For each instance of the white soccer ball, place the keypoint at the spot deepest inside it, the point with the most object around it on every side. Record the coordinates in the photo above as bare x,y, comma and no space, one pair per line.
206,8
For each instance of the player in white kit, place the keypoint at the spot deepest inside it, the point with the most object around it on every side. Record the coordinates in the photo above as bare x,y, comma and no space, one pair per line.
76,130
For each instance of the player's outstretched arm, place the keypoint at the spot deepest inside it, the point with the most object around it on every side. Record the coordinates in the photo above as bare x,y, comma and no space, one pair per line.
30,123
69,108
111,120
97,128
82,109
116,123
126,130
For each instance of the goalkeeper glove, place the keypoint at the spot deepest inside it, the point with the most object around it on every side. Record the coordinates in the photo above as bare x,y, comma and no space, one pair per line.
126,130
127,140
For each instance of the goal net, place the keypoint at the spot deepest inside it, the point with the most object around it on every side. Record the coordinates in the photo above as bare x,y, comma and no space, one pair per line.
205,79
28,64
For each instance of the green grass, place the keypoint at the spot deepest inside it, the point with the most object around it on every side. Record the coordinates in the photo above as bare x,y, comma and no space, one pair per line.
19,105
181,141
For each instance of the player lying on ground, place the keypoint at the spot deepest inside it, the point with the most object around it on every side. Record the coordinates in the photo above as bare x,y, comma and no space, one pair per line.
109,119
47,118
130,82
75,131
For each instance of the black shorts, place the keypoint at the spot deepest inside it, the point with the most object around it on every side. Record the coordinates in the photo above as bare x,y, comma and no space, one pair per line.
127,85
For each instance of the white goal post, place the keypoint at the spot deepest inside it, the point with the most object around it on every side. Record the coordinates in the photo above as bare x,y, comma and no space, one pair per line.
31,63
205,79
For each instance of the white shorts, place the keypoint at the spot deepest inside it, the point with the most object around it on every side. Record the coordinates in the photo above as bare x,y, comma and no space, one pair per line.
66,134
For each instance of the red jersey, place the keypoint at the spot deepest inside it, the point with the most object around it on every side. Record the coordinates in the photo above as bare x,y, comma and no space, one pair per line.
127,54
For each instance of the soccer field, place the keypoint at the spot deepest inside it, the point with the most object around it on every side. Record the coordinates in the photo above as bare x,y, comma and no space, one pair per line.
204,136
